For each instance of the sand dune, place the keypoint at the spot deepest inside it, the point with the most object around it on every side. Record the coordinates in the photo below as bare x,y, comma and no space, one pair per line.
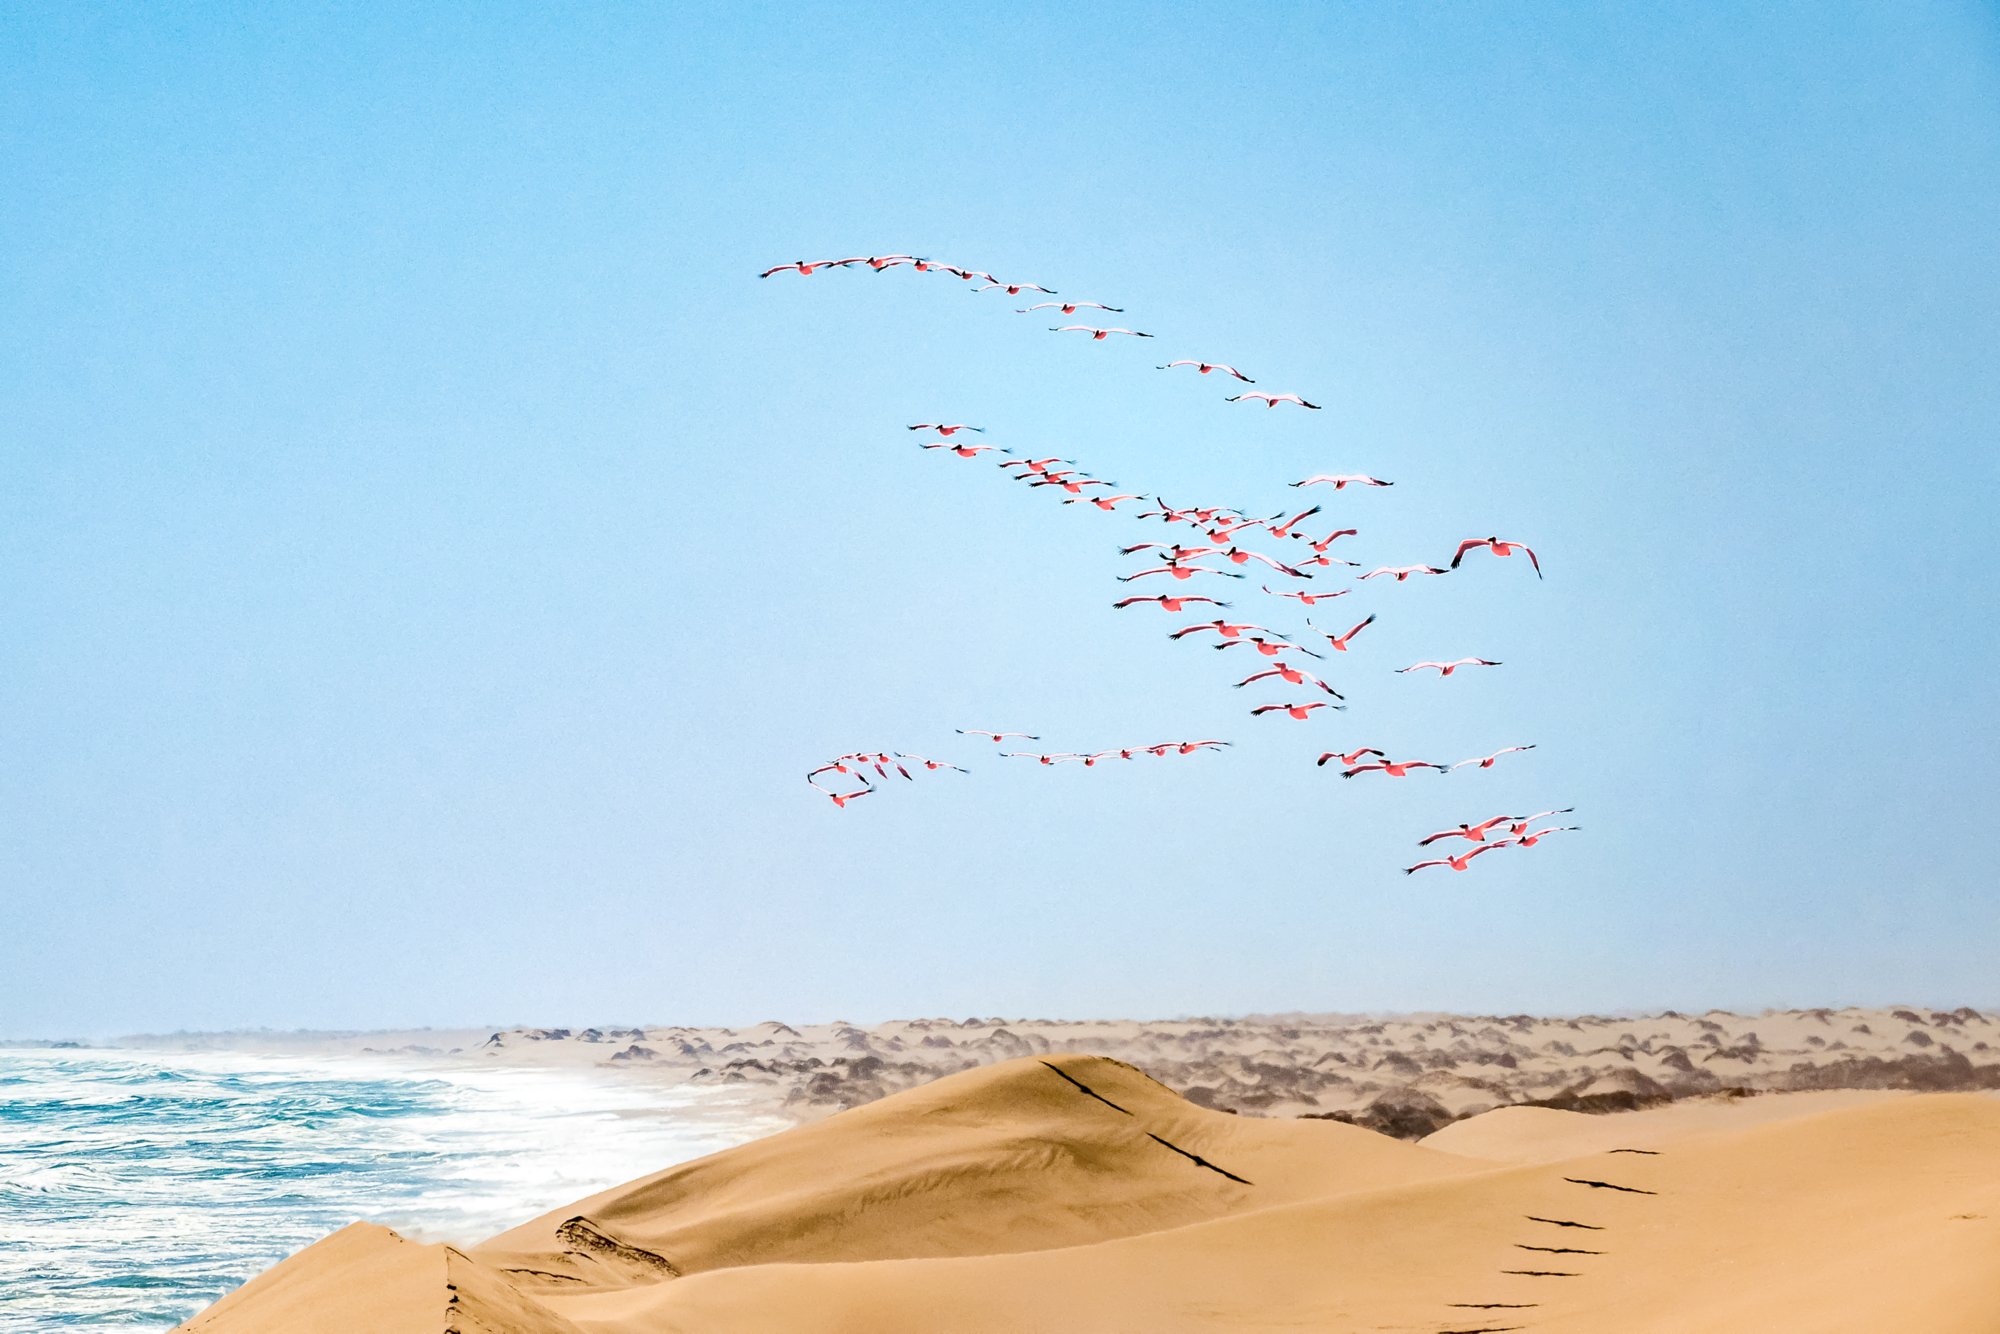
1075,1193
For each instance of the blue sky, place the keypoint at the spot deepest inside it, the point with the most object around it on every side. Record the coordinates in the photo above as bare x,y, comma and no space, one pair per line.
429,557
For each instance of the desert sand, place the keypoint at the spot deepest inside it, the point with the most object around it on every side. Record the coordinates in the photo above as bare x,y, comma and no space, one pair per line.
1072,1192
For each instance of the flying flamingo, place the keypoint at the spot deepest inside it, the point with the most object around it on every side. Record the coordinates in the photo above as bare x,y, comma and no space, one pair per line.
1472,833
1340,642
1486,762
805,270
1333,537
1498,548
1285,529
1224,628
931,765
963,451
1270,648
1402,572
952,428
1070,483
995,737
1179,572
1187,747
841,799
1099,335
1171,603
1350,757
1291,675
1520,825
1309,599
1458,862
1109,504
1071,307
1237,556
1529,840
1341,481
1057,758
1171,552
1036,465
1272,400
1206,366
1447,668
1297,711
1015,289
1324,561
1392,768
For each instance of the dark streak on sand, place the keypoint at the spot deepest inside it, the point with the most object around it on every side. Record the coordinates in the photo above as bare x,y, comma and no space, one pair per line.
1543,1273
1196,1159
1650,1153
1606,1185
1563,1222
1086,1089
1554,1250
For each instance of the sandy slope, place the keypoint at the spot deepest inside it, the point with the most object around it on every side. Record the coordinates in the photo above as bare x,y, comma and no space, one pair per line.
1075,1193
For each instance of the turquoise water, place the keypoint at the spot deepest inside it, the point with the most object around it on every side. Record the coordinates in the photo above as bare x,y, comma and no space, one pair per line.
137,1187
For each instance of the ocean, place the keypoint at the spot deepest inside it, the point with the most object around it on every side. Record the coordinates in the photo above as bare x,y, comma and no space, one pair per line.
136,1187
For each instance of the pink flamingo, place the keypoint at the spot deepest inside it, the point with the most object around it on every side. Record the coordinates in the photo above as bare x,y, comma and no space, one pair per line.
1291,675
1529,840
943,428
1285,529
1270,648
1447,668
1349,757
1272,400
1178,572
1392,768
1342,480
1206,366
804,269
1300,712
1071,307
995,737
1473,833
1015,289
1170,603
1457,862
1340,642
1498,548
1097,334
1520,826
1309,599
1402,572
1224,628
963,451
1486,761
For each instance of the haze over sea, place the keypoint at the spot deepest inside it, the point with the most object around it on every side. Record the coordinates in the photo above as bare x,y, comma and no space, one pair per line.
138,1186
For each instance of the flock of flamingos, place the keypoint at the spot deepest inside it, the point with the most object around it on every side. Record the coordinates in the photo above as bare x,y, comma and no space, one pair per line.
1202,533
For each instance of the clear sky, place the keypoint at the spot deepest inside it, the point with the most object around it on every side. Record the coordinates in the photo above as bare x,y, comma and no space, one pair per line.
429,558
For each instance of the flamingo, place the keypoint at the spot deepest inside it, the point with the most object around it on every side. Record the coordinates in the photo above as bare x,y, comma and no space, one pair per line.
1473,833
1498,548
1486,762
1291,675
930,765
1300,712
805,269
1529,840
1188,747
1070,307
1056,757
1178,572
1170,603
1309,599
1333,537
945,429
1237,556
1285,529
1342,480
1392,768
995,737
1224,628
1340,642
1206,366
881,262
1070,483
963,451
1036,465
1520,825
1402,572
1109,504
1458,862
1447,668
1324,561
1272,400
1270,648
841,799
1350,757
1015,289
1171,552
1099,335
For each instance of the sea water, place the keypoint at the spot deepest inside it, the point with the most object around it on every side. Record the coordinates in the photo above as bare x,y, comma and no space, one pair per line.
136,1187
